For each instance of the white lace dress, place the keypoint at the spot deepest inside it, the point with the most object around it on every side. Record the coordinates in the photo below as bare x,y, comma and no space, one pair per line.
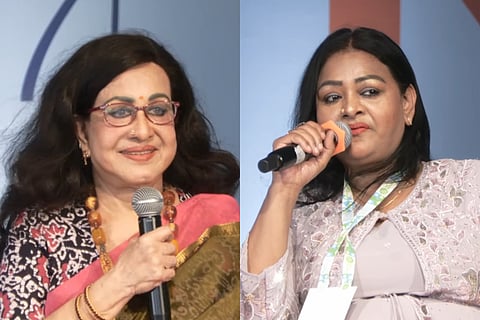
419,261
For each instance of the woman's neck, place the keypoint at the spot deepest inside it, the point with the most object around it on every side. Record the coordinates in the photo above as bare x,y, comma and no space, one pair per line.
119,220
360,182
116,201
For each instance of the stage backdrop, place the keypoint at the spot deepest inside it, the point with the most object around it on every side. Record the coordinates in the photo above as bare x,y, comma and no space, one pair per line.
277,38
204,35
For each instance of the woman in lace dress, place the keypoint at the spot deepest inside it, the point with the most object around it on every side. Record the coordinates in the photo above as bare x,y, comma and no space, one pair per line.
382,218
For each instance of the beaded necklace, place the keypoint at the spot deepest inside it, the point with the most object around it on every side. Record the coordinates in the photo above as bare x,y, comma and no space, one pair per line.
169,211
98,235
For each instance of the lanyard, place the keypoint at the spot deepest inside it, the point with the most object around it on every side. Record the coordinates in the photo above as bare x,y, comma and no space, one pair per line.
349,221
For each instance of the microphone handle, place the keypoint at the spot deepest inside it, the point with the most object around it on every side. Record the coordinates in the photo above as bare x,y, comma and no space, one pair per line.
158,298
282,158
159,311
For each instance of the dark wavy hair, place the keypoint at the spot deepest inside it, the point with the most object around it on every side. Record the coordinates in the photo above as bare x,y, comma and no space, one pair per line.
45,167
415,145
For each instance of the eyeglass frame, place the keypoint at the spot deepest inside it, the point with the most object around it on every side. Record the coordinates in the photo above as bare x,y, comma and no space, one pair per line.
175,105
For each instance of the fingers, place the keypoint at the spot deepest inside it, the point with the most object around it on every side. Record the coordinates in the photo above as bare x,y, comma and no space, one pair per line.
157,243
148,260
163,268
162,234
310,136
329,142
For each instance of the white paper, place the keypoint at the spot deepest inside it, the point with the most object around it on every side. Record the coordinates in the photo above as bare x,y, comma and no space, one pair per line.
327,303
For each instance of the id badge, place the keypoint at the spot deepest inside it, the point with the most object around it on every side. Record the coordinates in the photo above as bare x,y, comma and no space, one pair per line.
327,303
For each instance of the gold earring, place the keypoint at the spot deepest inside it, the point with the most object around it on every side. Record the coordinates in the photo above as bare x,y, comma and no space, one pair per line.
408,122
85,154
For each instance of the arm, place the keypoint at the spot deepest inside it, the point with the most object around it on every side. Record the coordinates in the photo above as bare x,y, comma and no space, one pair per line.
23,276
268,268
104,295
270,294
273,221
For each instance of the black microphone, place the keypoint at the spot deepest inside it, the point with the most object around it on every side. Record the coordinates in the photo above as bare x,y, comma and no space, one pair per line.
290,155
148,203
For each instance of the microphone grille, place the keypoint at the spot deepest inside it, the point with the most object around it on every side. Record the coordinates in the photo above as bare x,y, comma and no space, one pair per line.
348,132
147,201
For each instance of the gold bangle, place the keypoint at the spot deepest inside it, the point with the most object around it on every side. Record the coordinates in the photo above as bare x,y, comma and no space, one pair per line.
77,307
90,306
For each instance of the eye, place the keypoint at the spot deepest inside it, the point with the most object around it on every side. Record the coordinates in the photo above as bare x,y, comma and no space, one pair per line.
120,110
331,98
159,108
370,92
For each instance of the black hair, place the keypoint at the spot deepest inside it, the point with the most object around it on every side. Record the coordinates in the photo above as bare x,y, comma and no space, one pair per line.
415,144
44,164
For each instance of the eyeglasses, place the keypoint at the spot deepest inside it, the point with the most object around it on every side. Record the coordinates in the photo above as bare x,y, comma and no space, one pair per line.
120,114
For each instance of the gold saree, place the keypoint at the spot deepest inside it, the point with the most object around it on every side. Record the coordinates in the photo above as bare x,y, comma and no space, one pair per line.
207,281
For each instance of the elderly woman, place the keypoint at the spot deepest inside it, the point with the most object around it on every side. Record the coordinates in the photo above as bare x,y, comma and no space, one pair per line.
120,114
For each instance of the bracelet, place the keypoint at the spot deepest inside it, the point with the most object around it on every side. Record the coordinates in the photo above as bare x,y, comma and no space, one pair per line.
90,306
77,307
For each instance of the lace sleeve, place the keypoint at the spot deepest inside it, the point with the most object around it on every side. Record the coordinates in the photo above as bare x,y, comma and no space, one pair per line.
270,294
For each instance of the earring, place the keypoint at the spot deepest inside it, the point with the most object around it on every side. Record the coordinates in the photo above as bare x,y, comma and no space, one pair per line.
408,122
85,154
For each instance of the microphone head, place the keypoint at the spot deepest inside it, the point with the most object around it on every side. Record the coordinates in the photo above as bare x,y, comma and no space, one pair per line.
147,202
348,132
343,135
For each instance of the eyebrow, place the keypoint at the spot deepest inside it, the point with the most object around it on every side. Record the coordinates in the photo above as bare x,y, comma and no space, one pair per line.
357,80
131,100
158,95
368,77
121,98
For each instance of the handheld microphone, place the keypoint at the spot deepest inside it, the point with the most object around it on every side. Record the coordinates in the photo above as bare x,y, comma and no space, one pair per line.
294,154
148,203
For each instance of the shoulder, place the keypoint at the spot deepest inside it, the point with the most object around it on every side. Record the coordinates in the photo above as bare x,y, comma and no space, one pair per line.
41,225
35,217
445,167
213,200
208,202
451,172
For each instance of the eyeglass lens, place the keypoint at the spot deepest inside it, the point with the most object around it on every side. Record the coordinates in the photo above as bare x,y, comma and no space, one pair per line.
121,114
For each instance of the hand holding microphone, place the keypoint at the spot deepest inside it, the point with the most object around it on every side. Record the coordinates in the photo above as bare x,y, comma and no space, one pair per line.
294,154
148,203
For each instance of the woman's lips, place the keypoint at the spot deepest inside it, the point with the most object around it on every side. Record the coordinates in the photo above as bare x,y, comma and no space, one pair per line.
139,154
358,128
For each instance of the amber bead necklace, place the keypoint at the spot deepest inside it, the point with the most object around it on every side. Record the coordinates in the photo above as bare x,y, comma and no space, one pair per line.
169,211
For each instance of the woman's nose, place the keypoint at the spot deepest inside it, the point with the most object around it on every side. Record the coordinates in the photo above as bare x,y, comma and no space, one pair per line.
142,126
351,107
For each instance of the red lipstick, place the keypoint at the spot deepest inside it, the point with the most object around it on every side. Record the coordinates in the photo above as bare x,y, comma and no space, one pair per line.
143,153
358,128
